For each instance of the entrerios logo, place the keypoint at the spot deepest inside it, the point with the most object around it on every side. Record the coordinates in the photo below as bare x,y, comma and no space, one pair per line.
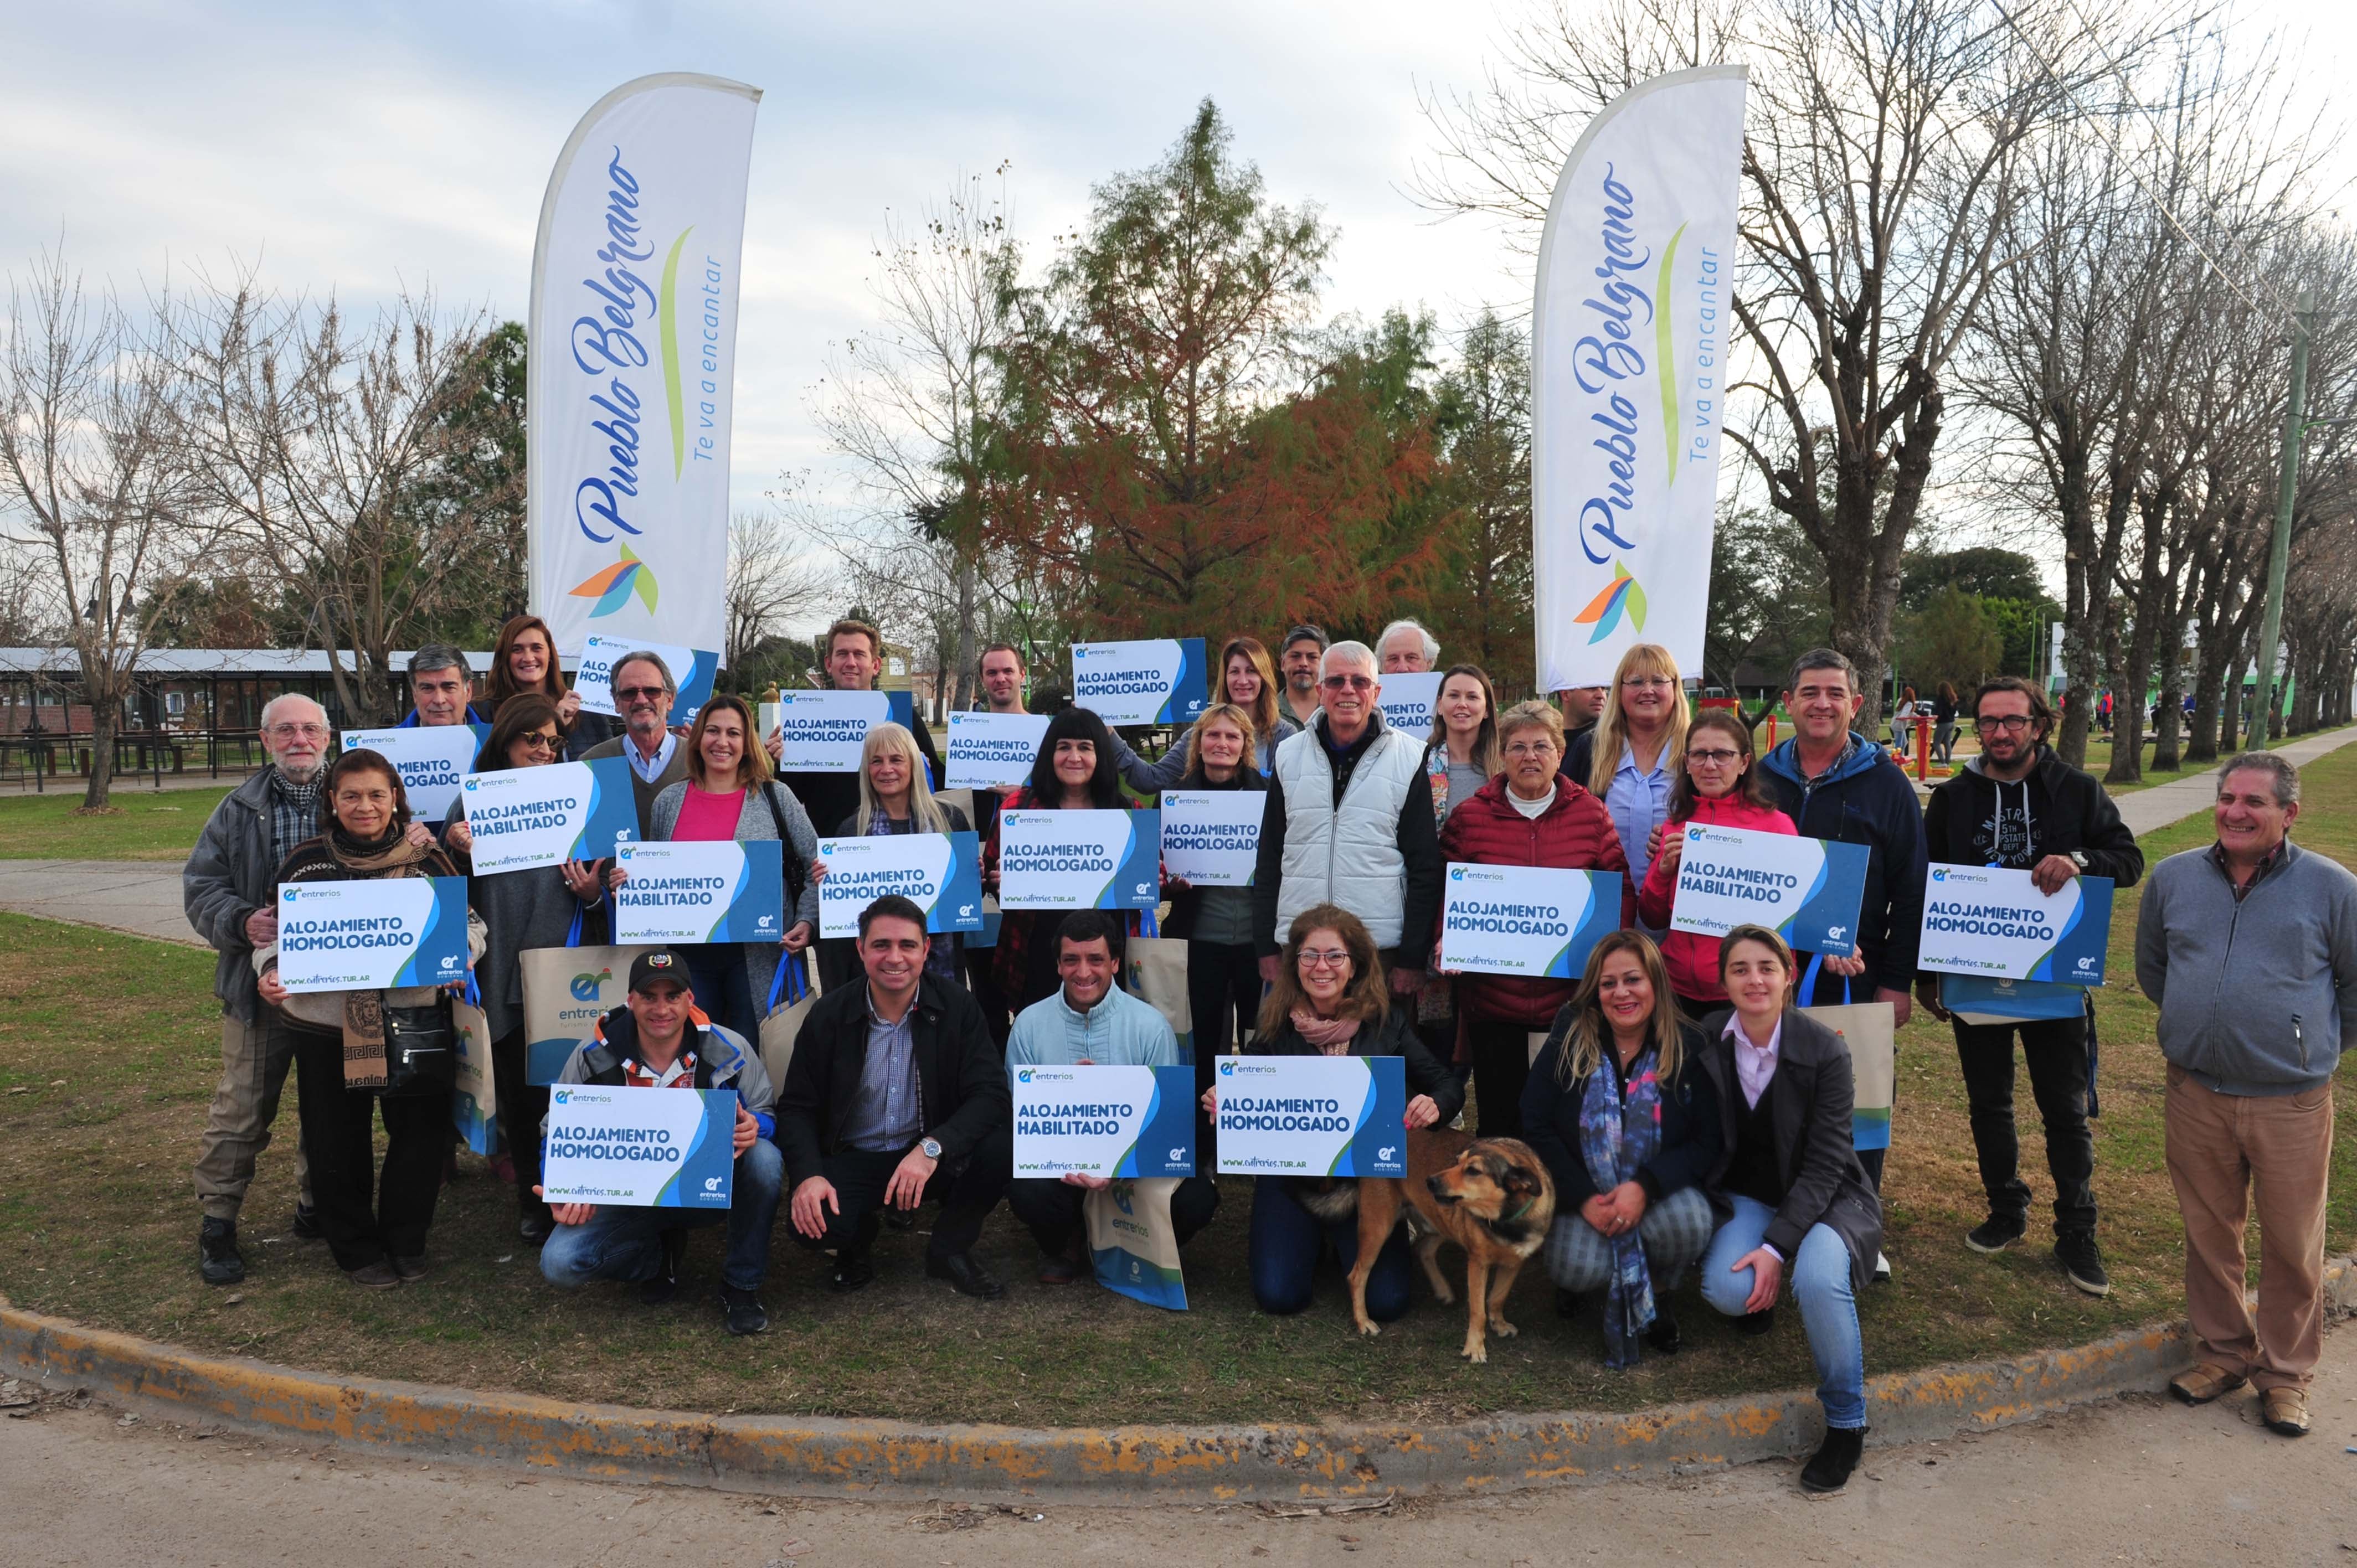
584,985
612,587
1023,1075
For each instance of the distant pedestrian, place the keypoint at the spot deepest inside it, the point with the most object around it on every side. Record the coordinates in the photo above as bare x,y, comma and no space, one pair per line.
2249,949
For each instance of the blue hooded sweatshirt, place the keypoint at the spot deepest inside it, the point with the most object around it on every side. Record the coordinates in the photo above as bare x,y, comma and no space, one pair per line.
1864,799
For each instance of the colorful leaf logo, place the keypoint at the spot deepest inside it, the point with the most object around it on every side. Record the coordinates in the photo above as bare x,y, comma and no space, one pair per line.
613,587
1622,594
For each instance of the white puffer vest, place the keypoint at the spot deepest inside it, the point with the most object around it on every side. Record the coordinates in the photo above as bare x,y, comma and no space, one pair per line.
1348,855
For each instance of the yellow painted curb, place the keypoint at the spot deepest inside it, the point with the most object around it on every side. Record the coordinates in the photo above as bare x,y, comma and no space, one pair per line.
1169,1464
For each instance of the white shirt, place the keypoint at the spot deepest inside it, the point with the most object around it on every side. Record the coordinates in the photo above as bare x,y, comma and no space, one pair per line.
1754,1065
1534,810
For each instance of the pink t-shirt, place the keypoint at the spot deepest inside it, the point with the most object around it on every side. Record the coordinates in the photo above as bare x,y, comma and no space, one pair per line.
707,817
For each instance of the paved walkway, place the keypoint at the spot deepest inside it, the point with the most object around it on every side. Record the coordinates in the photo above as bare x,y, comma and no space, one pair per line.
144,899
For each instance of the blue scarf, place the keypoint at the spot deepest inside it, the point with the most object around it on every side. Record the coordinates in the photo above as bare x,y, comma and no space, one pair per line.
1618,1133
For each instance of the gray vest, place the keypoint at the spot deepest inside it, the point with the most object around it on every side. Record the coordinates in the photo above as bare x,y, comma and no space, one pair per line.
1347,854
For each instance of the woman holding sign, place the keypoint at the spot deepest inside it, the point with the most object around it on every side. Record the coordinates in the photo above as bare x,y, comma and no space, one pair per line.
1718,786
1250,684
1530,815
727,796
1790,1194
1330,999
348,1045
1223,966
1629,1127
1073,772
894,797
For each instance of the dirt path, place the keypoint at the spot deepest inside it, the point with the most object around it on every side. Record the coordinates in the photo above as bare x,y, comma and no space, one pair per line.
2135,1481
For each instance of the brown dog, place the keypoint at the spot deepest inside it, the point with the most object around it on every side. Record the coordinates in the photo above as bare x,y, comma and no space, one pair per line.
1493,1197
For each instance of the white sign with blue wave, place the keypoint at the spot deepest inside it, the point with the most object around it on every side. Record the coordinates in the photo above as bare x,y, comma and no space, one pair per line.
639,1148
1532,920
1312,1116
373,933
1104,1121
1807,889
1159,680
700,892
430,758
988,750
1991,921
1408,699
1211,837
822,732
1080,859
693,669
941,873
525,817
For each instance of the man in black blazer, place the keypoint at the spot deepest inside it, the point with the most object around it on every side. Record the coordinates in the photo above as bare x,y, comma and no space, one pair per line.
896,1094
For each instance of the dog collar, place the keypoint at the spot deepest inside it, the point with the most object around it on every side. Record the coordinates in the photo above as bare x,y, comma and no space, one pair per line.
1517,1214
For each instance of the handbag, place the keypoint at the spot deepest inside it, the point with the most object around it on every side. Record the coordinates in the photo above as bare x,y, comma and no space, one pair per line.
1870,1030
421,1051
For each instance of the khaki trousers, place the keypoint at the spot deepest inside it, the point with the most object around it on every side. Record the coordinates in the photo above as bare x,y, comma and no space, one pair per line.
2227,1153
254,1060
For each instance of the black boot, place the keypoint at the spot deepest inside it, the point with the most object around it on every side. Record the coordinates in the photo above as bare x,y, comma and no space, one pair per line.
1661,1334
218,1259
1829,1471
665,1283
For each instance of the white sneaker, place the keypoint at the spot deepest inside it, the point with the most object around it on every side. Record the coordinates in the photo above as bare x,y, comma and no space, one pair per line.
1882,1268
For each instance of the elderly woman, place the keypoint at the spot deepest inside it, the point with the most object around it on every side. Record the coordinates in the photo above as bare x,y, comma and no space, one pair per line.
728,796
1330,999
521,909
1249,682
1628,1124
359,1053
1791,1196
894,797
1528,815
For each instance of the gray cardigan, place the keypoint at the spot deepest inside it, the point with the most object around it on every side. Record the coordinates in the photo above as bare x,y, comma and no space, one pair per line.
2256,998
753,824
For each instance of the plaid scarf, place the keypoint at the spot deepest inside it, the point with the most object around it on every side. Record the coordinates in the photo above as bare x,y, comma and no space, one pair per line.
294,814
1618,1133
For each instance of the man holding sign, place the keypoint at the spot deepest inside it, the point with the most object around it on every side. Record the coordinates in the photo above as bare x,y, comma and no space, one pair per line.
2020,806
653,1042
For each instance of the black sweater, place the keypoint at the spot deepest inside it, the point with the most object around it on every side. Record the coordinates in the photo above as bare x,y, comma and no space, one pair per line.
1975,820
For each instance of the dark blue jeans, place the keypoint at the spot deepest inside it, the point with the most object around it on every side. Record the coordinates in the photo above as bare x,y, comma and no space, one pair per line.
723,988
625,1244
1287,1241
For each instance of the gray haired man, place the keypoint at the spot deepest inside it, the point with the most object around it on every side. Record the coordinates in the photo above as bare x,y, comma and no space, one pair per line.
1406,649
441,688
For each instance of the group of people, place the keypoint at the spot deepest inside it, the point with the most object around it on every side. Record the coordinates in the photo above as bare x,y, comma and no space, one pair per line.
1691,1111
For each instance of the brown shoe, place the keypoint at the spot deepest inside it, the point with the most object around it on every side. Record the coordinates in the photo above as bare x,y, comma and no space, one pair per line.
378,1275
2284,1411
2201,1384
411,1268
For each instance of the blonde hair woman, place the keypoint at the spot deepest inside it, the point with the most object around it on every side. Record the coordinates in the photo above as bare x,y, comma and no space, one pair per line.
1247,681
896,797
1629,758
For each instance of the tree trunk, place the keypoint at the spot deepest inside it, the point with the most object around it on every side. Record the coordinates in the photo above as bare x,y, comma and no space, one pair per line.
2209,684
968,677
2165,754
105,720
2129,675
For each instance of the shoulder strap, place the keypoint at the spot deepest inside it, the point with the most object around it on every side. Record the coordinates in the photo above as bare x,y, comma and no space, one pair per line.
796,874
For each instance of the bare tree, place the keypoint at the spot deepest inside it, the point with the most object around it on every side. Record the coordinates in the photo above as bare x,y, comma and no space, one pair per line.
323,440
1881,167
916,403
94,481
770,584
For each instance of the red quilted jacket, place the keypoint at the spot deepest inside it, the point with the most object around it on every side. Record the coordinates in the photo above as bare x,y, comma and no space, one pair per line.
1575,833
1693,959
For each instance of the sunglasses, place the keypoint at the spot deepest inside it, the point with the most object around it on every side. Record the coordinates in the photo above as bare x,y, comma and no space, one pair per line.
632,693
1348,682
535,741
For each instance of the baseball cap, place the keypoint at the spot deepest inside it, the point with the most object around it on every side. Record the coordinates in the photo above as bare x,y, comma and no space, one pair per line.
663,963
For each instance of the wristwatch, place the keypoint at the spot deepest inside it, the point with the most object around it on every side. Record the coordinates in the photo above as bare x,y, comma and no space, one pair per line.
2079,858
929,1147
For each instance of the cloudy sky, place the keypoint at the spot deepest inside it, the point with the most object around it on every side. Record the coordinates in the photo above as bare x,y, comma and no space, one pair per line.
361,147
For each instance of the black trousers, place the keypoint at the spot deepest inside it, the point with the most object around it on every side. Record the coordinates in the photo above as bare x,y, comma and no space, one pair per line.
1501,1065
524,1107
983,985
1053,1209
1223,993
368,1218
2056,1052
966,1192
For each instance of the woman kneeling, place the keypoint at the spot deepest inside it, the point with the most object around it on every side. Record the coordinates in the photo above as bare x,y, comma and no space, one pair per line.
1789,1191
1628,1123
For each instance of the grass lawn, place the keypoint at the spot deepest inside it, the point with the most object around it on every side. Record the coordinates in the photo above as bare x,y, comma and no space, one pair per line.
146,824
104,1086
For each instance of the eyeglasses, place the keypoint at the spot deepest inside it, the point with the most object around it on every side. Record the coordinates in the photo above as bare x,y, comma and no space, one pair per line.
1715,758
632,693
1329,958
1348,682
2011,723
536,741
309,732
1646,683
1529,748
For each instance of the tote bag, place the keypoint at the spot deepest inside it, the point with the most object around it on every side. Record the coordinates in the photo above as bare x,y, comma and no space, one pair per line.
475,1099
1870,1030
1154,970
1131,1243
565,991
797,988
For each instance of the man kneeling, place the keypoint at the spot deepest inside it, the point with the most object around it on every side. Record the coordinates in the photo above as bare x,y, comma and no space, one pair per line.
896,1094
653,1041
1091,1021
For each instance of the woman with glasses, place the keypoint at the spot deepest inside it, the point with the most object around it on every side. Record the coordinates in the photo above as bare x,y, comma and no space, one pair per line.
728,796
521,909
1629,760
1330,1000
1717,787
1529,815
